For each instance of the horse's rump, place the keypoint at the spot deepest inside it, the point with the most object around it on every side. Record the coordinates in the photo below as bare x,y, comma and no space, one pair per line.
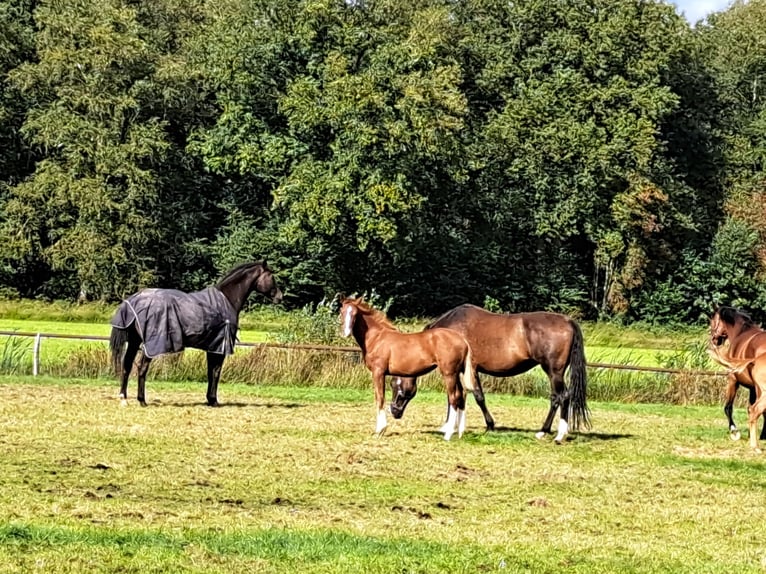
168,320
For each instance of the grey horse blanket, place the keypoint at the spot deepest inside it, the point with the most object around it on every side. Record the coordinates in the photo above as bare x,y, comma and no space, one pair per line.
168,320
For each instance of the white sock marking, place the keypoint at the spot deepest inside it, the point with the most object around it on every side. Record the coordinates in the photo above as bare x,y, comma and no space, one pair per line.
563,430
382,422
460,423
449,427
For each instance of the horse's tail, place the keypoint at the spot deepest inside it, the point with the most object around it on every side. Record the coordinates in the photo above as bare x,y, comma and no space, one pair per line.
578,382
469,382
117,341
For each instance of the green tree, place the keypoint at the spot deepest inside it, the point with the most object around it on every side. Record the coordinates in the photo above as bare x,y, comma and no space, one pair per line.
106,206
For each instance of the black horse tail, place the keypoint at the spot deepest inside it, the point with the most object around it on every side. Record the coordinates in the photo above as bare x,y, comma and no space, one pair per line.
117,341
578,382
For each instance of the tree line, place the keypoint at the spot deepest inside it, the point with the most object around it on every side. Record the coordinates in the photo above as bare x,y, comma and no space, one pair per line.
602,158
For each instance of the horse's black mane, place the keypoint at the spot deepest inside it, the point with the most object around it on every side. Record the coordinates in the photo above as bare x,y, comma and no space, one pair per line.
236,273
729,316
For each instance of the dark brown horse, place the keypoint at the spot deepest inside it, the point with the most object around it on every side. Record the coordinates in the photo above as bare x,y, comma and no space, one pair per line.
750,371
506,345
746,341
167,321
387,351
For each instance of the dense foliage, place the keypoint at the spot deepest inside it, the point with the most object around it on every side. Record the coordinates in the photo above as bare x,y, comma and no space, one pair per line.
598,157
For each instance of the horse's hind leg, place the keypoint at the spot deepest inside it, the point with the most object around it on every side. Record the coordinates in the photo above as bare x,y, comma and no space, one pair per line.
456,399
214,366
143,368
559,402
728,407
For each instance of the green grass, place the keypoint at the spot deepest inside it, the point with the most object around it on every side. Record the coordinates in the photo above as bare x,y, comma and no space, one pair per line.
291,479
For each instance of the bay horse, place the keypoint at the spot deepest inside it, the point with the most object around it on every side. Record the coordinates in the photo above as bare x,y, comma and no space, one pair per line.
168,320
388,351
750,371
504,345
746,341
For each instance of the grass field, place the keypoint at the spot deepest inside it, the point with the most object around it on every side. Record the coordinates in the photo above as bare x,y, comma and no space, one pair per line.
292,480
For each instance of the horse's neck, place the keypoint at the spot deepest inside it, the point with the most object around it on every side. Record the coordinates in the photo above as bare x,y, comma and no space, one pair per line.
367,332
238,293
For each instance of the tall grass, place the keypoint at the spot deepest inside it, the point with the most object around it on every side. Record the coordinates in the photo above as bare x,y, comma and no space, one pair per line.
297,367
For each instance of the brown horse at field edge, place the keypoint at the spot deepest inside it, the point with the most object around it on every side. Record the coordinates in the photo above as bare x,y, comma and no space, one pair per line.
746,341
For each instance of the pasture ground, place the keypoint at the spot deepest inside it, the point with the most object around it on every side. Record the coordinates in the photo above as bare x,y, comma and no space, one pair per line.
291,479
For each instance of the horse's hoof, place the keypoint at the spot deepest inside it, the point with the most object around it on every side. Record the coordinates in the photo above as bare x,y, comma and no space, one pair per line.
491,426
735,435
142,402
540,435
213,404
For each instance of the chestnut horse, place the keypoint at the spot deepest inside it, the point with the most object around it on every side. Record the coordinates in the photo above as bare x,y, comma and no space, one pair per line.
750,371
746,341
387,351
504,345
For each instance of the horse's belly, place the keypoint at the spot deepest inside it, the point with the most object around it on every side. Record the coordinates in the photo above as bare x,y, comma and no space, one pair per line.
409,361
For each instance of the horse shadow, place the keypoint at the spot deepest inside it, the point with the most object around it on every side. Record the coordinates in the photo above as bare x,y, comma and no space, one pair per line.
232,405
580,436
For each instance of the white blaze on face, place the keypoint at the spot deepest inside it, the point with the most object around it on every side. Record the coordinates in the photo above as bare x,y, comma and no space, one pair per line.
348,321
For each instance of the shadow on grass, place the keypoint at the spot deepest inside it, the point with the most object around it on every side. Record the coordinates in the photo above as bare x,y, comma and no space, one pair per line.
500,432
235,405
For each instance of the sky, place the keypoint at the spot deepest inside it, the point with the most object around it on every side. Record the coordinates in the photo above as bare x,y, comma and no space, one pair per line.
698,9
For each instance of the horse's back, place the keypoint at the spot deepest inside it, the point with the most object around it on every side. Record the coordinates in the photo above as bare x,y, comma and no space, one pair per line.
415,354
511,343
169,320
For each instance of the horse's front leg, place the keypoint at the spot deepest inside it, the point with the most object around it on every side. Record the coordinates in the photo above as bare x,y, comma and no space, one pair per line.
143,369
379,385
728,407
127,368
214,366
478,394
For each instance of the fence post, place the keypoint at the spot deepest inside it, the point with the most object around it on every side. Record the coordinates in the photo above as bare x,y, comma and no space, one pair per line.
36,355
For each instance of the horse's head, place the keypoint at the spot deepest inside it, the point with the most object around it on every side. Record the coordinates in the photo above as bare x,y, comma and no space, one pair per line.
403,389
718,333
266,284
349,309
727,323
